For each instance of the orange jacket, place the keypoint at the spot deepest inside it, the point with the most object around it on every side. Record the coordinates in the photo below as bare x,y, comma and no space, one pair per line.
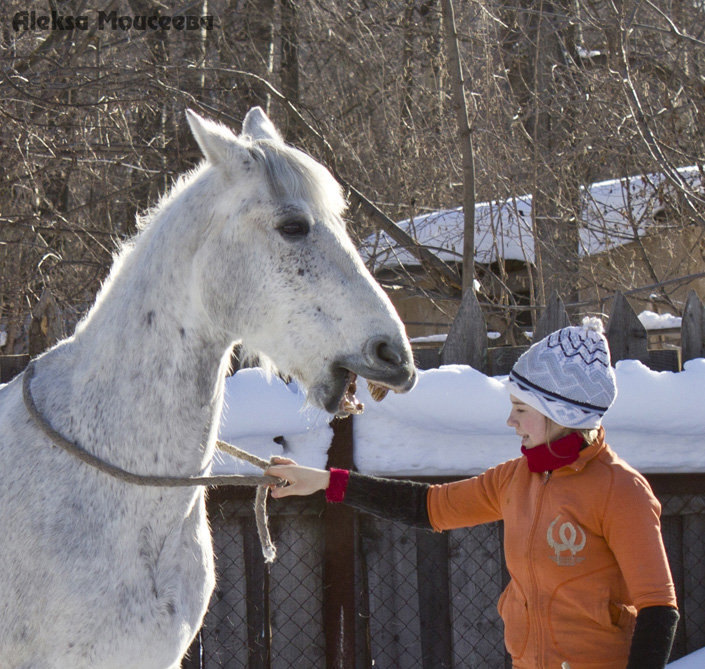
583,548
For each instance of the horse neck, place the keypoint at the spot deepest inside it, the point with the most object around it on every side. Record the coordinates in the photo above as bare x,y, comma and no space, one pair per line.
146,375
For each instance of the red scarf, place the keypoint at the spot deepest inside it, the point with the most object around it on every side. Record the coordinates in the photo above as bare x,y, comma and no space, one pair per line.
559,453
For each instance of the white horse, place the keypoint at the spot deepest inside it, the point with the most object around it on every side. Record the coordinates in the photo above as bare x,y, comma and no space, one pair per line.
250,247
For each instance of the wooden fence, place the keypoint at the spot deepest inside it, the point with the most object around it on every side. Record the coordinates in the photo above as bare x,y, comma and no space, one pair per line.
467,341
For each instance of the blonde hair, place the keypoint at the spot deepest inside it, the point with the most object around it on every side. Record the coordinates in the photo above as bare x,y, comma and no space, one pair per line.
590,435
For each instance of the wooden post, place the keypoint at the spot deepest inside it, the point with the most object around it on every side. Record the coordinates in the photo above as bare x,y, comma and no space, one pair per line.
466,343
553,318
626,335
693,329
340,540
259,633
434,599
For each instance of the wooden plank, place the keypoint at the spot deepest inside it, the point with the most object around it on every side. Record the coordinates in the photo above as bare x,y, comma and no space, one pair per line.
475,586
626,335
340,532
663,360
362,629
427,358
554,317
672,532
392,582
677,484
434,599
466,343
693,603
259,633
693,329
296,593
224,632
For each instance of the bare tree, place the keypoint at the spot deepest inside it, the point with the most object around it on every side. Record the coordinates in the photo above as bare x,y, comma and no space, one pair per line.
564,93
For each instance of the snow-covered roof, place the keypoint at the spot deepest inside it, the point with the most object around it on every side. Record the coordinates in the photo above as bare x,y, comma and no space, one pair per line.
503,228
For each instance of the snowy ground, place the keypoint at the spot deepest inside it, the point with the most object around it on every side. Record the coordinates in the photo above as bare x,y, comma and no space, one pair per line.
695,660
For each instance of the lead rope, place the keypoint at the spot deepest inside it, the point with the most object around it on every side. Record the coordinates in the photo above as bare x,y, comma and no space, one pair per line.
262,482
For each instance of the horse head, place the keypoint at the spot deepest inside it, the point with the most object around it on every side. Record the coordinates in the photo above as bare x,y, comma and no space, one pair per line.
278,272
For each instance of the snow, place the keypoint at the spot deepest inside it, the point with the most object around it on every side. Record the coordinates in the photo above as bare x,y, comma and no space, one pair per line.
654,321
453,422
429,339
695,660
611,211
258,409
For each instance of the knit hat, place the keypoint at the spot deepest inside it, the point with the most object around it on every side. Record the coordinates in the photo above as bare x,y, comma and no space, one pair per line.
567,376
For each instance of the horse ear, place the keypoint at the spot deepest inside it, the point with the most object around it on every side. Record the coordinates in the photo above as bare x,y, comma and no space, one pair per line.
216,141
258,126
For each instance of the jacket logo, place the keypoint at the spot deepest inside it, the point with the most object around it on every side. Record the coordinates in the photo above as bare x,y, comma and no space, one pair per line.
571,540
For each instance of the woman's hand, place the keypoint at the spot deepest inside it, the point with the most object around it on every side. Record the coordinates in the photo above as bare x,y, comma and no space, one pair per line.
300,480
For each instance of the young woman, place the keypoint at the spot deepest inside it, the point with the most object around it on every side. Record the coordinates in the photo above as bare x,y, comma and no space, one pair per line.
590,583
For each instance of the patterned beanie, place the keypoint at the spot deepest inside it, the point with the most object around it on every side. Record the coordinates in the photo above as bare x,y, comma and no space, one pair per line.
567,376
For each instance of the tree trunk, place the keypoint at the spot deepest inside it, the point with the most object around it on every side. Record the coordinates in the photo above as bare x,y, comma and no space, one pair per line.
535,50
289,67
466,144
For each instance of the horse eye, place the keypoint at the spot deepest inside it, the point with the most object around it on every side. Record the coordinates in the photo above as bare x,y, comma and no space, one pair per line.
294,228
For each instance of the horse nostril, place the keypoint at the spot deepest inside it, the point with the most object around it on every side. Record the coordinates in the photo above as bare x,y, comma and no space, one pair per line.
381,350
388,354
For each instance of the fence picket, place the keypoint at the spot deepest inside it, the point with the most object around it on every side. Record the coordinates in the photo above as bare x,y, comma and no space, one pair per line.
434,599
693,328
554,317
626,335
256,598
466,343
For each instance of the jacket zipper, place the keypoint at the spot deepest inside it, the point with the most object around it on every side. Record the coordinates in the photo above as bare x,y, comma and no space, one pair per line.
535,619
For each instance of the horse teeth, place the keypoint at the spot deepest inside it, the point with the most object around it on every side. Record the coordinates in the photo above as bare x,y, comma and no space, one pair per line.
377,392
349,404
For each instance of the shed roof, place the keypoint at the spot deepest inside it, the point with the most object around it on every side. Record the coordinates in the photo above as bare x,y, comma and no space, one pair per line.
611,213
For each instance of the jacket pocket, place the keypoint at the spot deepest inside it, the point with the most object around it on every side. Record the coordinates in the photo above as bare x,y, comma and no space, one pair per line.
585,623
514,613
622,615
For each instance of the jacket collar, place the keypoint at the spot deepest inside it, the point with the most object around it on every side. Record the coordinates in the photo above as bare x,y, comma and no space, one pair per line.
586,455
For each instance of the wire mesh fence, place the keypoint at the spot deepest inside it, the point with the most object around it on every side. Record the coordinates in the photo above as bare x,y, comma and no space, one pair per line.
262,616
421,599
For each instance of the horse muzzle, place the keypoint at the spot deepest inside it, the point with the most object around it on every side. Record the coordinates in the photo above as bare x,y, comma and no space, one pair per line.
385,364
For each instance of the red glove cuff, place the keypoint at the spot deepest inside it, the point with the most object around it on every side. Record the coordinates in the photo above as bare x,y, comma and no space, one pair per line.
335,492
